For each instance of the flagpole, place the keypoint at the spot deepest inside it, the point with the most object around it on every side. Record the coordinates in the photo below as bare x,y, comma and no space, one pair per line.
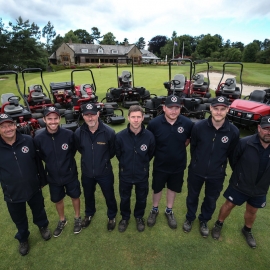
183,51
173,50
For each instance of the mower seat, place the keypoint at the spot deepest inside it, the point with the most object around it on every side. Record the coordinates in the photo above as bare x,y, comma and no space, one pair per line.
125,76
180,87
37,92
198,79
230,85
84,94
257,95
11,108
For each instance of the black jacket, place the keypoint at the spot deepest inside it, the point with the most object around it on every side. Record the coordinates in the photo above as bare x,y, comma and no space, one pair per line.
210,148
245,168
57,151
134,153
96,150
19,174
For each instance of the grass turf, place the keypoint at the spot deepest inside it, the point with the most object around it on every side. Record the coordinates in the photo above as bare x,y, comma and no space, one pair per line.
156,248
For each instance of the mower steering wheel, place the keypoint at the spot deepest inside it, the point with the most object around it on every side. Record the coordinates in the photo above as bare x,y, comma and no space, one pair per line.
86,86
176,82
36,87
14,98
127,76
196,77
229,82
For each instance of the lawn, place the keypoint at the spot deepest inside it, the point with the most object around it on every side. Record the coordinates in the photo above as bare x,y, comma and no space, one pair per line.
156,248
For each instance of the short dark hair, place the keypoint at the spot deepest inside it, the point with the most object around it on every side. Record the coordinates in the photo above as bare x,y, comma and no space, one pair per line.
135,108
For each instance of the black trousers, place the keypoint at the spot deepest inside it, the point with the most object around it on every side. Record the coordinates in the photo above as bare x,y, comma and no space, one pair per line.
212,189
141,191
106,184
17,212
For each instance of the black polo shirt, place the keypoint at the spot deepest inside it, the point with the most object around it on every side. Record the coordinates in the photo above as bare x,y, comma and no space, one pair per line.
170,153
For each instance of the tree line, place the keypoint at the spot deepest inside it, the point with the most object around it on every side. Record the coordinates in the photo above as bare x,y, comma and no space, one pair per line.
21,45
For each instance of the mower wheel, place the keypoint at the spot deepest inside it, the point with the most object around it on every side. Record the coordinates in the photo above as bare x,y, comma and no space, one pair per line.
57,105
69,116
37,115
41,122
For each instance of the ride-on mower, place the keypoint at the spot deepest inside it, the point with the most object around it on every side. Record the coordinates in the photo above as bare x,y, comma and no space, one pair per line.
26,122
192,107
86,93
228,88
248,112
126,92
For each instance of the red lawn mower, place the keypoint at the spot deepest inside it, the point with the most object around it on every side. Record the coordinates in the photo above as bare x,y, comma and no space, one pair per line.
228,88
27,123
86,93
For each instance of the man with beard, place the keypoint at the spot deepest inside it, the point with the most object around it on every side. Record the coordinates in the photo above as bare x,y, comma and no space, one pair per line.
212,143
56,147
172,134
249,181
96,143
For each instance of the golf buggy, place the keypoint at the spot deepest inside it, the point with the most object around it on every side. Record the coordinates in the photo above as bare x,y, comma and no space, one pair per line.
229,89
126,92
200,87
26,122
86,93
248,112
192,107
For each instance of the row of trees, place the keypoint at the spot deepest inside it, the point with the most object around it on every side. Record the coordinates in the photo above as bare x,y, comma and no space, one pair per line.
212,48
21,45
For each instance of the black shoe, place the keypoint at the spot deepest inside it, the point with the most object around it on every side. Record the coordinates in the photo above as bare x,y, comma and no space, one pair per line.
122,226
151,221
216,231
45,233
187,226
60,227
204,229
86,222
171,220
111,224
77,225
24,248
140,224
249,238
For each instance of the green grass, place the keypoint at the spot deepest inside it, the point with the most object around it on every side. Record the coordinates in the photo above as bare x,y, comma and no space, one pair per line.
156,248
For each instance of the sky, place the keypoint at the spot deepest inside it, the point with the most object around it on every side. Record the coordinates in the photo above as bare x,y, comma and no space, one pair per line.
242,21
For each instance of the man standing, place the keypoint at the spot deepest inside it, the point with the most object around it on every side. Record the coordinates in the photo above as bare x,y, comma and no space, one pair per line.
134,149
21,181
56,147
212,143
172,134
249,181
96,143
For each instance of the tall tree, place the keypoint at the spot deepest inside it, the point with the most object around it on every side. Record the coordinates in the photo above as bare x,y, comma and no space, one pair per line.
156,43
25,49
96,34
209,44
108,39
49,33
84,36
71,37
238,45
250,52
56,43
140,43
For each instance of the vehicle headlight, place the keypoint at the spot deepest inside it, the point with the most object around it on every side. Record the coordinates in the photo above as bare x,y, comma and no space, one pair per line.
249,115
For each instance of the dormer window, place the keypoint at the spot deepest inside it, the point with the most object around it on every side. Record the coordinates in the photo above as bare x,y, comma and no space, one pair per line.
100,50
114,51
84,50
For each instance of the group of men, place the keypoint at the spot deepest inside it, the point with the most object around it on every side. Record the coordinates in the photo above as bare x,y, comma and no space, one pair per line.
212,141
